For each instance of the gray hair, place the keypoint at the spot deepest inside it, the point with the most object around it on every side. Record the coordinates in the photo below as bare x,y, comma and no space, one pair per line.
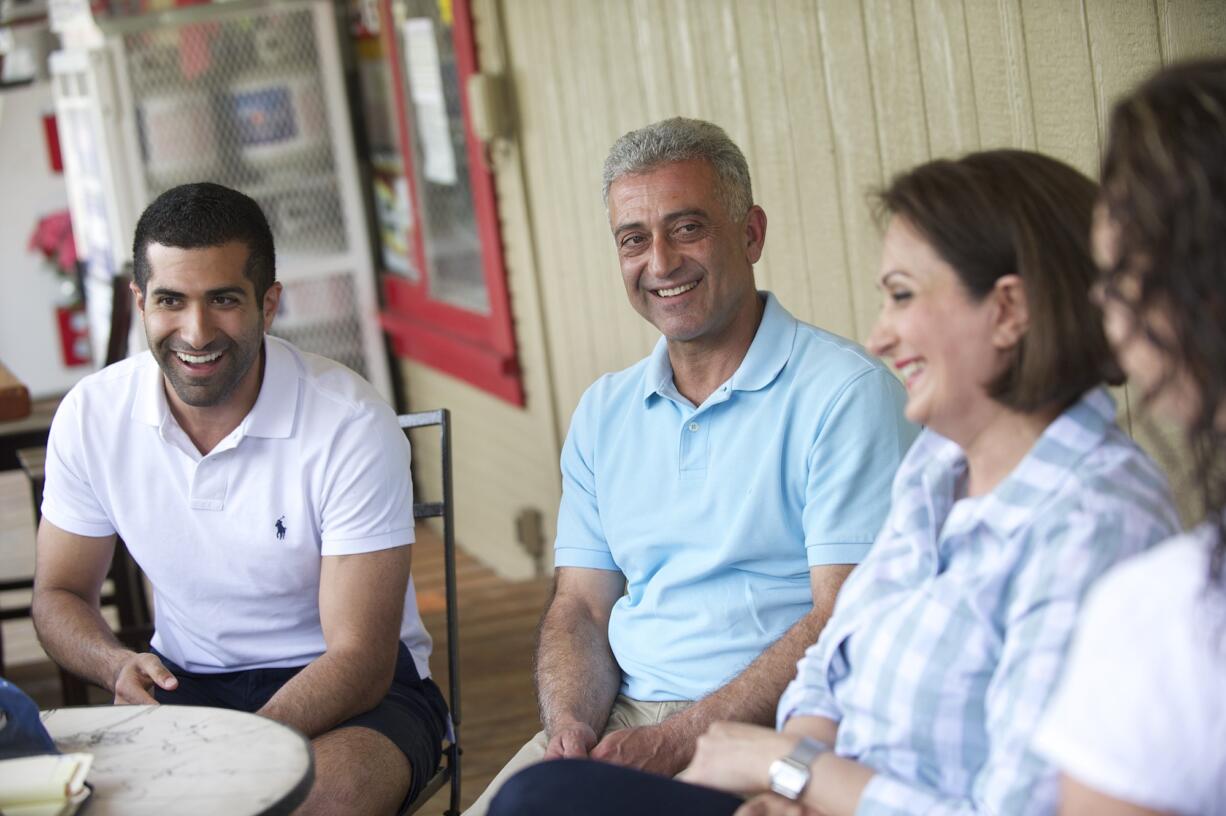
680,139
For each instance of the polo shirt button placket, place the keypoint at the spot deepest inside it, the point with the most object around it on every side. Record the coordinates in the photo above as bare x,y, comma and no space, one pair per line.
694,435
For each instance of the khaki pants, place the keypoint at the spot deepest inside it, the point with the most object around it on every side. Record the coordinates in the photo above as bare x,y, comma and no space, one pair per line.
626,713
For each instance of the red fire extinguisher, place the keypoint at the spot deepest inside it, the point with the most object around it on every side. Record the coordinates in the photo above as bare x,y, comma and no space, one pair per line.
74,334
52,238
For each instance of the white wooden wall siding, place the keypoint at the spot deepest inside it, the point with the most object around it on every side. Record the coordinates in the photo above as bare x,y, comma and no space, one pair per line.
828,100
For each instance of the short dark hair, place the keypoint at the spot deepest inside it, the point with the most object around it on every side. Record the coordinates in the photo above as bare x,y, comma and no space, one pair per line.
1014,212
1164,186
193,216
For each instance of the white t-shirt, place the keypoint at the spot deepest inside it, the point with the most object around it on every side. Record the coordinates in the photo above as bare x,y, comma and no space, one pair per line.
232,542
1141,712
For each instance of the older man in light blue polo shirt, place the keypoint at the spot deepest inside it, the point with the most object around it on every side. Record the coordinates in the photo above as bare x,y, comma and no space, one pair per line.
716,494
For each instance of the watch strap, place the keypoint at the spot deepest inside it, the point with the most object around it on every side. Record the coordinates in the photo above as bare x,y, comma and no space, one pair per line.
790,774
808,749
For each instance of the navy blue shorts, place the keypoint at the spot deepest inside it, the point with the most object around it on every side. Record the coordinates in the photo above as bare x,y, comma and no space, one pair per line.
413,714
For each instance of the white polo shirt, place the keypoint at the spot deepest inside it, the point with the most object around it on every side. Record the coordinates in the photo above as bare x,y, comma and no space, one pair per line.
232,541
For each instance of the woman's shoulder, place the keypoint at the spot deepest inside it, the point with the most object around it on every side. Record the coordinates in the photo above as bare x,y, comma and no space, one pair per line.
1116,489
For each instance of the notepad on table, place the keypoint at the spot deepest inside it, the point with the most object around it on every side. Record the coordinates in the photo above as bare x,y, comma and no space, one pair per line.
43,785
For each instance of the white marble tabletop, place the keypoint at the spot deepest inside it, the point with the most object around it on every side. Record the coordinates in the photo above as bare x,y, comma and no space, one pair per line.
185,759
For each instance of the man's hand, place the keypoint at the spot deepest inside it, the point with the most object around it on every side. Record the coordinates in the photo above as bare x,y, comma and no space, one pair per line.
576,675
137,675
572,741
659,749
772,804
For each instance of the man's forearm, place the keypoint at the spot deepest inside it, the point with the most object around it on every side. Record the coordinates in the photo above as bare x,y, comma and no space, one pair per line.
577,677
753,695
77,637
331,689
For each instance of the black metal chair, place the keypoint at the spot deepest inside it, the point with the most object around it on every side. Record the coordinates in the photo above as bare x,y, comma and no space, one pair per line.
449,768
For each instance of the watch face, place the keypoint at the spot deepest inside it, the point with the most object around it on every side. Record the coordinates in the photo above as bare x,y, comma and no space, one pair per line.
788,777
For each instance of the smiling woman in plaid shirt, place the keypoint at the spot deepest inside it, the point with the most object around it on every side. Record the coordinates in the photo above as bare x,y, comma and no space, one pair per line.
924,689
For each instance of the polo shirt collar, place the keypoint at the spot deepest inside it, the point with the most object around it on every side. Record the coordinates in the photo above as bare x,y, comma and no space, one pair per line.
768,354
275,408
1064,443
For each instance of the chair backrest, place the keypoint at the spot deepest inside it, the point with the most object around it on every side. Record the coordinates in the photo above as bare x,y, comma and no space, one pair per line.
446,511
121,317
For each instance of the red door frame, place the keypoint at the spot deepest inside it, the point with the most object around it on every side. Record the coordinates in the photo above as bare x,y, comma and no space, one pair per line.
479,349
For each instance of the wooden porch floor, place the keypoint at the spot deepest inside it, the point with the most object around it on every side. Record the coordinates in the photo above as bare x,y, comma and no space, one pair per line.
497,629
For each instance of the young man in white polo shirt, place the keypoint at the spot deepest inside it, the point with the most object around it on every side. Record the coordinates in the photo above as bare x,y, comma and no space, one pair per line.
265,492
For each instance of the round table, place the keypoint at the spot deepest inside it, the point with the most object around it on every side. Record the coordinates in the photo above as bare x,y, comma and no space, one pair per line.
185,759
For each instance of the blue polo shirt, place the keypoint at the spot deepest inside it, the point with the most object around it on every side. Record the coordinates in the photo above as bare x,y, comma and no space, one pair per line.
715,513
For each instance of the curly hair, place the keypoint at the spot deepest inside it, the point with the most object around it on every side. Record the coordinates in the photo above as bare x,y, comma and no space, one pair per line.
1164,186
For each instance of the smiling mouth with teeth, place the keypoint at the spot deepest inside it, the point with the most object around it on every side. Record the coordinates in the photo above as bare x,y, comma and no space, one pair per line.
197,359
676,290
910,370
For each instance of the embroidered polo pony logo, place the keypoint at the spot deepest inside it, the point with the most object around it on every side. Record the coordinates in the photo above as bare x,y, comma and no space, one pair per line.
280,528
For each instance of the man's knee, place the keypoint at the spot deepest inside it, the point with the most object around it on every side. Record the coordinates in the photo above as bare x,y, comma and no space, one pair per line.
358,771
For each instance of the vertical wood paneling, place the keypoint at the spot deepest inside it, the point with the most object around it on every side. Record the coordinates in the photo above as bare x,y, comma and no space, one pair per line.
827,99
769,156
898,90
948,81
590,72
814,195
1061,81
1124,50
653,57
900,120
677,28
856,142
1191,28
1000,74
543,112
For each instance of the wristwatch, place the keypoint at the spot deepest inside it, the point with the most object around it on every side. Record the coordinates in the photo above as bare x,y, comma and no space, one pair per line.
790,774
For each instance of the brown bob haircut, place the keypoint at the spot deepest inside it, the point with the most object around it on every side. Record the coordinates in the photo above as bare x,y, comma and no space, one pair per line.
1013,212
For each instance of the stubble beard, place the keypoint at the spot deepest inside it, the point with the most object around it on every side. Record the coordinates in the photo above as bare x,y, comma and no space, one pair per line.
238,358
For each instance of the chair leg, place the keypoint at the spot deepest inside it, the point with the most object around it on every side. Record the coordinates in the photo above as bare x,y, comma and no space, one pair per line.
73,690
36,495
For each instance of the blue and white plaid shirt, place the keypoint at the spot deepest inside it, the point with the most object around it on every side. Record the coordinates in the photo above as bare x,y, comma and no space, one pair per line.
947,641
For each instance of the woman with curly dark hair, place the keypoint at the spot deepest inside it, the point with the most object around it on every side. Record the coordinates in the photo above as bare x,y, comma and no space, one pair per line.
1139,724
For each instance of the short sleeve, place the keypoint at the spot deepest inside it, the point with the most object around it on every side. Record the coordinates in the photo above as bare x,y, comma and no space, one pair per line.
809,694
581,541
862,439
367,494
1123,722
69,499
